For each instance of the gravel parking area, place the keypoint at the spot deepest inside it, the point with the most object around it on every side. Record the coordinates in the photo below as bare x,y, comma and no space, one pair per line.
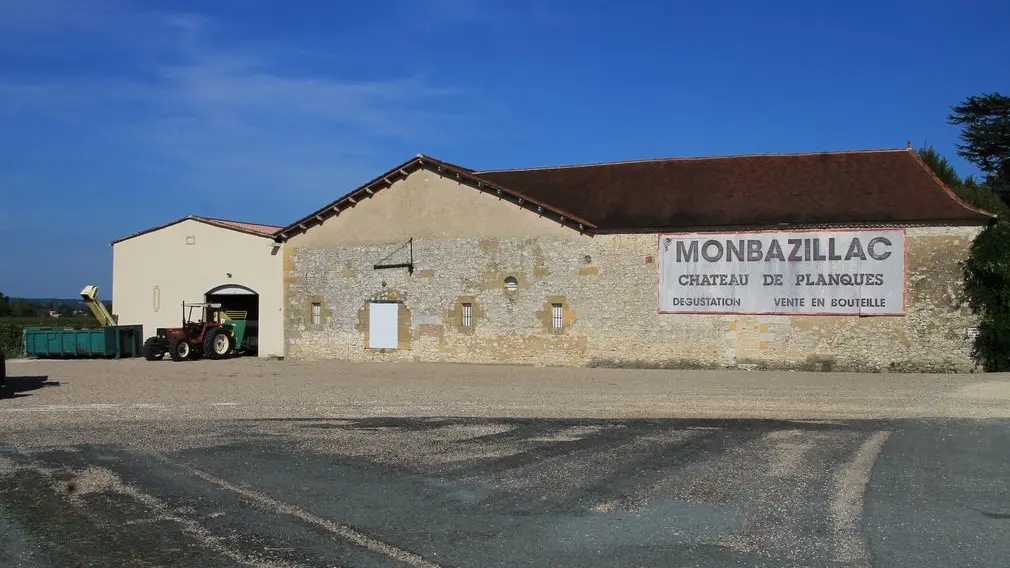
281,464
252,388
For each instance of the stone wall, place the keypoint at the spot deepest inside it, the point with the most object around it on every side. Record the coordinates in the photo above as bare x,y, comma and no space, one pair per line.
607,288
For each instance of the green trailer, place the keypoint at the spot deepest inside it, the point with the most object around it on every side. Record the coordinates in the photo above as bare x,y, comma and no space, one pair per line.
109,341
244,331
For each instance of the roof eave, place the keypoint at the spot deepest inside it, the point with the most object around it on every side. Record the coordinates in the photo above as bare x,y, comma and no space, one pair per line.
399,172
987,215
150,230
462,175
197,218
564,217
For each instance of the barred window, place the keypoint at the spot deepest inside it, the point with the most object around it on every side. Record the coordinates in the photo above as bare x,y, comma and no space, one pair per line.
467,315
557,316
317,313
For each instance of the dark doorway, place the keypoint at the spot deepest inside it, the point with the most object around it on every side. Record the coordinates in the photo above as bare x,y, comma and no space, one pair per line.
240,303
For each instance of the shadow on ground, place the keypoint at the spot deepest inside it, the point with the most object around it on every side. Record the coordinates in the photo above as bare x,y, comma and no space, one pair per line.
17,386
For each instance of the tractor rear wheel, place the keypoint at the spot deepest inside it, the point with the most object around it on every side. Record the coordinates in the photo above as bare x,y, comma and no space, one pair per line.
218,344
153,349
180,349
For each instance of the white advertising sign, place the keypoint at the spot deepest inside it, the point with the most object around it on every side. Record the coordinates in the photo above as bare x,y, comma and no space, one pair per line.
853,272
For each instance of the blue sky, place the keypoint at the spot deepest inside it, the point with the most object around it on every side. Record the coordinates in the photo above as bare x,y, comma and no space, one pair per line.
119,115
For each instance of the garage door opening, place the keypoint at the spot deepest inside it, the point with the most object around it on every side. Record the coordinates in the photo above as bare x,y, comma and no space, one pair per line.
240,304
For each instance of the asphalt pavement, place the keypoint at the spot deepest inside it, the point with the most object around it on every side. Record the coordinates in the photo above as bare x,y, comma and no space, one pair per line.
96,477
477,492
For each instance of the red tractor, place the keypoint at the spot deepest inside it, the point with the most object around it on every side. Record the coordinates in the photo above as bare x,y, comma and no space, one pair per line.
206,337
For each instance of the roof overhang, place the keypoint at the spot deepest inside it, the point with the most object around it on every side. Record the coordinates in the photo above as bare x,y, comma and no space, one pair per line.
950,192
445,170
205,220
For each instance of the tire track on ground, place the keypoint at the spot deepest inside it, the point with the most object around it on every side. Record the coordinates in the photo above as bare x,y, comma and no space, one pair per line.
341,530
847,504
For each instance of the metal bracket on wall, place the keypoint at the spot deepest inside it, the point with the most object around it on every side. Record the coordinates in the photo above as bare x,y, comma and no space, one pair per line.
408,265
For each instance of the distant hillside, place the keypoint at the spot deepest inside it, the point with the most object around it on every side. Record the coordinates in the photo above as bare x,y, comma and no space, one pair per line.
74,303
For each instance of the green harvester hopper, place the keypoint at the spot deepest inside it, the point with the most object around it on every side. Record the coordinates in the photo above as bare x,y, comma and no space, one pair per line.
245,331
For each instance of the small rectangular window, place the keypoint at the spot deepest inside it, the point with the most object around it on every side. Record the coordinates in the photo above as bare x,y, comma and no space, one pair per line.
557,316
467,315
317,313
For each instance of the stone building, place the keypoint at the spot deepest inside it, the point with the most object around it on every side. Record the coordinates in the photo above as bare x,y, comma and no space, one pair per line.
565,265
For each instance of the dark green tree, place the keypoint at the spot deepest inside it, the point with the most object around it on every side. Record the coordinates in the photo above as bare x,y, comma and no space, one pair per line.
5,305
974,193
985,138
985,141
987,289
981,196
940,166
22,308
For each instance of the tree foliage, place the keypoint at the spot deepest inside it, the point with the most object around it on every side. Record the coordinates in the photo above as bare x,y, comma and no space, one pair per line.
11,339
940,166
972,192
22,308
987,289
982,196
985,137
985,141
5,305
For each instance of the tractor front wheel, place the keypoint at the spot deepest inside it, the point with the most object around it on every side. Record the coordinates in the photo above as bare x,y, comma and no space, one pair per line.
180,349
218,344
153,349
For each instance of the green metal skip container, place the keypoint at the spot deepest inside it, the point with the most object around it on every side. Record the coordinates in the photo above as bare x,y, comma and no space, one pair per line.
112,341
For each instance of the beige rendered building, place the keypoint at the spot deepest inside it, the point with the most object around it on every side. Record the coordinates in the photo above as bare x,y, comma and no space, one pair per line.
844,261
197,259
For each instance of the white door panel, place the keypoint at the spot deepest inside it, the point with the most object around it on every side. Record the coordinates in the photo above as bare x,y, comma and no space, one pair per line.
382,325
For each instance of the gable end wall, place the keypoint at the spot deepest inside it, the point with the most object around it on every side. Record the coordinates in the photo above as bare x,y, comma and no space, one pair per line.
426,205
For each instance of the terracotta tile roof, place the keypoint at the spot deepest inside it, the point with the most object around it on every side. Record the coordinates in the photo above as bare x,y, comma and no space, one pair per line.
881,186
257,229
